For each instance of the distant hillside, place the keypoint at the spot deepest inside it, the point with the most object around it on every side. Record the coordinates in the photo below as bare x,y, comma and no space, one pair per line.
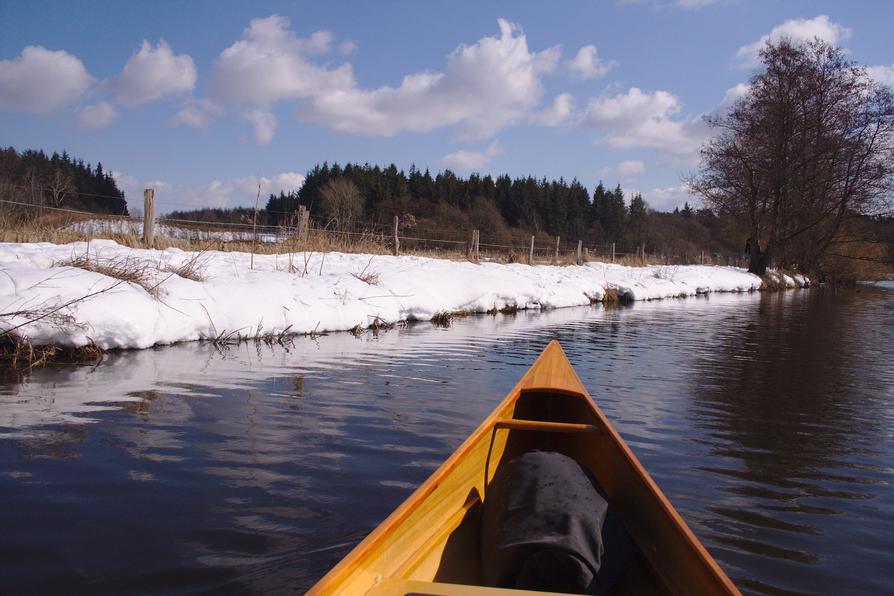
60,181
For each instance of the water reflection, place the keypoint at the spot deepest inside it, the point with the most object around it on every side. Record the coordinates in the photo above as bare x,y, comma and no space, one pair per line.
795,405
766,419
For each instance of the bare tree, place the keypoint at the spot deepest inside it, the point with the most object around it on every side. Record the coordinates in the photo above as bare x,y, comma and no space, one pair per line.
341,202
809,147
58,184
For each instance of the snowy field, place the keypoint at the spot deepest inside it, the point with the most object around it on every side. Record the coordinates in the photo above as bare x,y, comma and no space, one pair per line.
133,227
301,293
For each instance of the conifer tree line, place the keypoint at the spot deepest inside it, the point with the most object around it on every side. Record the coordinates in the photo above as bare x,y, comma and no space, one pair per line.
505,210
500,207
61,181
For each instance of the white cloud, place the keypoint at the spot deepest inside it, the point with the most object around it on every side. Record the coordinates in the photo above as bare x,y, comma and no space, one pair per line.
41,80
629,168
319,42
270,64
734,93
347,47
797,30
237,192
641,119
484,87
471,160
153,73
197,113
557,113
98,115
264,123
882,74
669,198
587,64
627,171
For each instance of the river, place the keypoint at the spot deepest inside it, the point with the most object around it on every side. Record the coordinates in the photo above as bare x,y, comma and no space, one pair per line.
767,419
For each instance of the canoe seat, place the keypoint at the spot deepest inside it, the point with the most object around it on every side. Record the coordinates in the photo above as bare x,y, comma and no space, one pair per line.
546,525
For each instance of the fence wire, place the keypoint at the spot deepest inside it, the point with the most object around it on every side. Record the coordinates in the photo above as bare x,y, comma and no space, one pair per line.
410,238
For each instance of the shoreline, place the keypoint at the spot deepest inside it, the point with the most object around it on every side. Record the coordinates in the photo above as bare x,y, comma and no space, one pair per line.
108,296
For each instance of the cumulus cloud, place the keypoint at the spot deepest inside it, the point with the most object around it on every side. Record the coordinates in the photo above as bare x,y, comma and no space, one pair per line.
484,87
882,74
471,160
98,115
642,119
264,123
153,73
798,30
236,192
41,80
587,64
270,64
197,113
557,113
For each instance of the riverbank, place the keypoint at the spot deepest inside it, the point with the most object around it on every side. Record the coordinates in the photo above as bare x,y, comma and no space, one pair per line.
110,296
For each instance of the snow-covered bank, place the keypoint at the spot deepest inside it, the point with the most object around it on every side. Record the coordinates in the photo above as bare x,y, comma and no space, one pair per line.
301,292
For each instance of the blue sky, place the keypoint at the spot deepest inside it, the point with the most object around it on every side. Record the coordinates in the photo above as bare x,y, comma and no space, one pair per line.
203,100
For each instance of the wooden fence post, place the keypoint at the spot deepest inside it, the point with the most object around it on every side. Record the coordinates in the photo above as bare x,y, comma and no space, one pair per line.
558,239
396,237
149,217
613,252
303,220
580,244
531,252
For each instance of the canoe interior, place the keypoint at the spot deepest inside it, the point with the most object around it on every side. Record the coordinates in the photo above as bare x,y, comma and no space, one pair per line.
454,557
435,535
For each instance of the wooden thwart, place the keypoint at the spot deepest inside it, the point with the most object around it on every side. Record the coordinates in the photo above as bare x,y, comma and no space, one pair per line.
543,426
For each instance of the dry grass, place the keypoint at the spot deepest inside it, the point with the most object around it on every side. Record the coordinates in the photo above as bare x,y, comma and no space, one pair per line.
445,318
126,269
19,357
368,276
773,280
193,269
614,297
50,227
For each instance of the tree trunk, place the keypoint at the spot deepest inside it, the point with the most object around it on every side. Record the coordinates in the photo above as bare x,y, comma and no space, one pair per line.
758,260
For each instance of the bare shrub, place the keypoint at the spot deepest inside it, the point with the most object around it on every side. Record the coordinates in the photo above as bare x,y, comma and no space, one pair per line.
341,202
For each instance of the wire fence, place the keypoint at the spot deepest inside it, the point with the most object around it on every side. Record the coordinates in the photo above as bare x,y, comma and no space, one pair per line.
397,237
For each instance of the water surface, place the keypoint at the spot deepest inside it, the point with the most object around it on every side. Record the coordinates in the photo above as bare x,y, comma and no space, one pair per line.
767,419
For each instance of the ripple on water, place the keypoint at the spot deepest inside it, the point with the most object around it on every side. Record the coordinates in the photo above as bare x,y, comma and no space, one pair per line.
766,419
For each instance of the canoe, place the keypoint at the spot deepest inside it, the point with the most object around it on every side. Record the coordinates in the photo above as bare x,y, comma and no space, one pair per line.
431,543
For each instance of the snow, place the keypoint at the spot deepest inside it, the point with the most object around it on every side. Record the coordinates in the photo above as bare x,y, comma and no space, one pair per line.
301,292
134,227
